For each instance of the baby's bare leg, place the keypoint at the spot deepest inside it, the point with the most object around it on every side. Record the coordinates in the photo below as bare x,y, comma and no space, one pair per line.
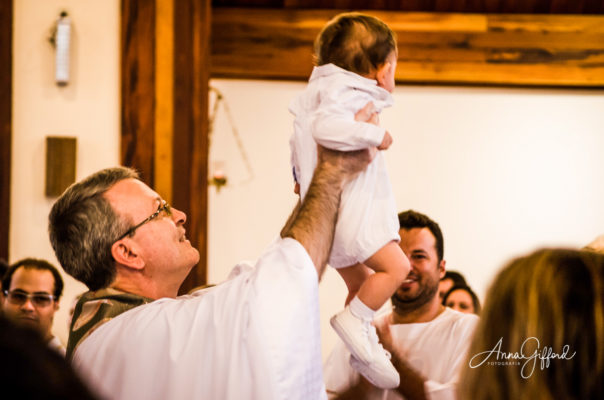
353,324
391,267
354,276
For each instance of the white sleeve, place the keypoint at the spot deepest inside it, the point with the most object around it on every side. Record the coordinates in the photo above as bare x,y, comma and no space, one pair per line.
286,307
334,126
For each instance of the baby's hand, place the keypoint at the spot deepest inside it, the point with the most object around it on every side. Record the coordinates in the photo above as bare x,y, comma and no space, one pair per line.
386,142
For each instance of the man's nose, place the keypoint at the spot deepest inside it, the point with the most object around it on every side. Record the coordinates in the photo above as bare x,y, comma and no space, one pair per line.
179,216
28,305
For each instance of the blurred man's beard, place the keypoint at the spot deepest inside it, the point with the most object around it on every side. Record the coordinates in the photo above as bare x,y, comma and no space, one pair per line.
426,294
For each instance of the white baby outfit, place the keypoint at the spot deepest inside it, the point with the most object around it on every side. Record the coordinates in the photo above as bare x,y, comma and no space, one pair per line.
324,113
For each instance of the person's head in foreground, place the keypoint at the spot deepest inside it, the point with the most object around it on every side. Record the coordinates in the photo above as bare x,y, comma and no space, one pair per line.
31,370
548,309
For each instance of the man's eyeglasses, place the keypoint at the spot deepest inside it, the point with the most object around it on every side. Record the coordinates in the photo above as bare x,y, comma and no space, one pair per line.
38,299
162,207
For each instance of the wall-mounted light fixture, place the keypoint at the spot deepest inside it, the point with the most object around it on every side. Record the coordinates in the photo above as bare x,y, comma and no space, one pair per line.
60,39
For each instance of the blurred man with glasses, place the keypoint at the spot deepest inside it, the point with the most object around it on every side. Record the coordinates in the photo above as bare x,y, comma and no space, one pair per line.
32,289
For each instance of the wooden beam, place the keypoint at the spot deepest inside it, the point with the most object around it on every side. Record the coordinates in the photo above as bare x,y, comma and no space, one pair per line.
491,49
165,72
6,95
191,85
457,6
164,98
138,86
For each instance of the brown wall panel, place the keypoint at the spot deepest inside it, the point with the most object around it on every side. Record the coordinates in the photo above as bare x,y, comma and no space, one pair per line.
485,49
138,86
60,164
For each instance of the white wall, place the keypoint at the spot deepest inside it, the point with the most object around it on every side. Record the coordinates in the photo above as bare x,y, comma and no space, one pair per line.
88,108
503,171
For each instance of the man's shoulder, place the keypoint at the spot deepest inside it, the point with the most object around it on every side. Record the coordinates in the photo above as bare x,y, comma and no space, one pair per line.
457,323
449,323
458,316
131,329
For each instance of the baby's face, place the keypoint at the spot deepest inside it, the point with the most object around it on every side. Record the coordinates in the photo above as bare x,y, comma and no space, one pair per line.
386,81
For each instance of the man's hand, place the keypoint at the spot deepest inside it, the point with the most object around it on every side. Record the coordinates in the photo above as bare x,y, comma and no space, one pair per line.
344,164
367,114
412,382
382,327
351,163
386,142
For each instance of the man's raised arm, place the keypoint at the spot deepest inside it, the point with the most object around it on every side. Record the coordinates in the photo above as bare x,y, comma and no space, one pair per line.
313,222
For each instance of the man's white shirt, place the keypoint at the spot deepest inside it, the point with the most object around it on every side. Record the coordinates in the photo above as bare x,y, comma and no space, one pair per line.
255,336
436,349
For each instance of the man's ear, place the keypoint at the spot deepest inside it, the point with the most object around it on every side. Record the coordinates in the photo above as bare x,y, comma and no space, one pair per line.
125,252
441,268
382,73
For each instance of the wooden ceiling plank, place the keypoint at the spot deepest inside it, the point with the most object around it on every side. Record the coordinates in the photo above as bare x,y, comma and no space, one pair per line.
468,48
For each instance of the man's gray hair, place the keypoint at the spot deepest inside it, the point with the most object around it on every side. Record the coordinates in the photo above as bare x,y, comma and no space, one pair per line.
83,226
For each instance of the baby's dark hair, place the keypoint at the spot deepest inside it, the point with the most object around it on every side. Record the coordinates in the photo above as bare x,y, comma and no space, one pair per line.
356,42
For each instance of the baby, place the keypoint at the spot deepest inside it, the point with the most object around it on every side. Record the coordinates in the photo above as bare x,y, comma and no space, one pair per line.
356,60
